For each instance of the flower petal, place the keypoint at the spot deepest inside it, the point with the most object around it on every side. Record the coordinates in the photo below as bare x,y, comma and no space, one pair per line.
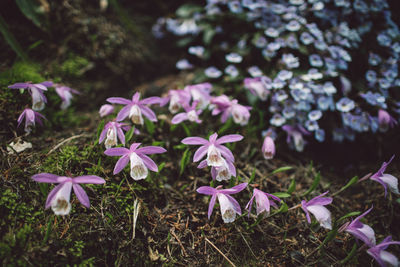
391,182
234,190
118,100
322,214
150,164
88,179
200,153
52,194
194,141
81,195
206,190
45,178
116,151
151,150
121,163
147,112
211,205
123,113
178,118
229,138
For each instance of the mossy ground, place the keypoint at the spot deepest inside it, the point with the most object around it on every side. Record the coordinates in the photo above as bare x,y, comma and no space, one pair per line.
172,226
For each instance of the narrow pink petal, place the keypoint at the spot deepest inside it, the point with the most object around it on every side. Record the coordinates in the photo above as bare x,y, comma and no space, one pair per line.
206,190
200,153
202,164
103,134
178,118
151,150
45,178
213,137
52,194
121,163
194,141
81,195
19,86
213,172
226,153
116,151
47,83
21,117
150,164
134,146
88,179
118,100
121,135
229,138
151,100
40,86
147,112
123,113
234,190
136,97
211,205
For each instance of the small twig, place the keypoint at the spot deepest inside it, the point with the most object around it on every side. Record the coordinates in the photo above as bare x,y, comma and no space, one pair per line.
65,141
220,252
248,245
179,241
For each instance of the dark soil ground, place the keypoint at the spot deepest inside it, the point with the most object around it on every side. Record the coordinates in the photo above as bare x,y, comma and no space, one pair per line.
172,226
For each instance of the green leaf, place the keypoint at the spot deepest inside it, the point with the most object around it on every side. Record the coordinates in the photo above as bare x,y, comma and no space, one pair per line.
10,39
32,11
161,166
208,35
284,208
253,175
184,161
44,189
398,200
313,185
282,169
186,10
48,230
351,254
186,129
281,194
184,41
329,237
180,146
227,125
350,214
292,186
150,127
350,183
129,134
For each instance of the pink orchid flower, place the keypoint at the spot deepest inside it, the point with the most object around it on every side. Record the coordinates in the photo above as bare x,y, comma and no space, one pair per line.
59,198
31,117
36,90
229,206
200,93
268,147
65,94
190,114
257,87
262,201
112,132
385,120
239,113
176,99
316,207
213,148
220,173
135,108
106,110
383,257
139,161
295,136
386,180
360,231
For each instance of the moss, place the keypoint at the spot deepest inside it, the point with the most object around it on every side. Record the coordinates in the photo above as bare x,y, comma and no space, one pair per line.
74,66
22,72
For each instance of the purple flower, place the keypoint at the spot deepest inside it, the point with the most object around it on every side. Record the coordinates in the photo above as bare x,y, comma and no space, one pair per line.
229,206
36,91
135,108
386,180
361,231
257,87
240,113
385,120
262,201
111,131
59,198
140,162
295,136
200,93
106,110
176,99
268,147
220,173
316,207
190,114
65,94
31,117
213,148
383,257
